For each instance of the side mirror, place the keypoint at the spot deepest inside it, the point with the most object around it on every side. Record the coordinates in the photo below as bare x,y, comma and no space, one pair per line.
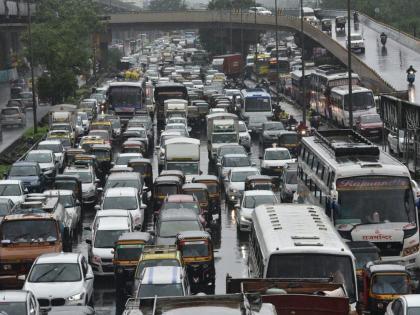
200,172
25,190
137,228
22,277
89,276
97,181
77,202
143,207
97,207
253,164
219,164
152,233
100,189
88,242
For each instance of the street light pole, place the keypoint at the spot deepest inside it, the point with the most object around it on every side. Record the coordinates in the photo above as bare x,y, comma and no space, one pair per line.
277,51
256,34
349,65
302,45
32,69
242,34
230,18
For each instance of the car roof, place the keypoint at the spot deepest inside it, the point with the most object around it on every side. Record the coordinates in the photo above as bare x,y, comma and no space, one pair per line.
161,275
124,175
244,169
258,193
50,141
13,295
194,186
113,223
412,300
112,213
121,192
25,163
10,182
232,155
86,168
52,258
41,151
58,192
180,198
178,214
277,149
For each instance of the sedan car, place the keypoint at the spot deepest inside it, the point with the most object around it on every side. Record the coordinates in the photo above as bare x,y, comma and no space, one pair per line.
12,116
230,161
270,133
89,181
234,183
275,160
61,279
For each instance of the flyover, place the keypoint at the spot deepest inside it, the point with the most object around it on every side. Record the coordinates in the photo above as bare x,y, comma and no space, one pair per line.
149,20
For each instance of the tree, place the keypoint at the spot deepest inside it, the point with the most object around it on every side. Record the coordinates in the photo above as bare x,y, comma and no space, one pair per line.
167,5
62,43
218,41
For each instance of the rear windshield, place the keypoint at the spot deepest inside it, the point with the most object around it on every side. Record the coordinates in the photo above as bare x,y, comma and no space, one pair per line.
10,111
29,231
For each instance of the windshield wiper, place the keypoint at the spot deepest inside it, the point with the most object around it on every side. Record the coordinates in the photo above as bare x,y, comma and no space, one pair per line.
44,274
58,273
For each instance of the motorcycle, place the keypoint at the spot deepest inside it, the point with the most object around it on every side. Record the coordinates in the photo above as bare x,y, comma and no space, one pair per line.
411,77
384,37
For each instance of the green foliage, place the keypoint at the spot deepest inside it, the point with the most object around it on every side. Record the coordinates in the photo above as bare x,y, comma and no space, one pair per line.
167,5
114,57
62,42
402,14
227,4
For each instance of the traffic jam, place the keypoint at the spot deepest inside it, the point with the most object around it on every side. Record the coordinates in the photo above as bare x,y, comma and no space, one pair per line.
179,186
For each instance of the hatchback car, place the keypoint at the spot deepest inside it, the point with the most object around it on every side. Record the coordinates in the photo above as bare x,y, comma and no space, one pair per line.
235,183
57,147
12,116
6,207
46,160
13,189
89,181
58,279
230,161
288,185
18,302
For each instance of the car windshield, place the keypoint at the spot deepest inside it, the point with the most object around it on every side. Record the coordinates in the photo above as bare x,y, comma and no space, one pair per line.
56,148
374,199
277,155
66,200
9,111
166,189
257,119
356,37
370,119
255,201
182,205
107,238
20,170
195,249
242,128
257,104
236,161
122,202
199,194
185,167
152,290
173,227
153,263
10,190
291,177
390,284
129,252
224,138
85,177
39,157
12,308
55,272
290,138
241,176
124,159
140,133
360,101
60,127
410,310
273,126
22,231
227,149
114,183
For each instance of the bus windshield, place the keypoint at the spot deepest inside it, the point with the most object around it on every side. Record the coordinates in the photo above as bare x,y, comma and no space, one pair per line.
360,101
125,95
258,104
374,199
340,268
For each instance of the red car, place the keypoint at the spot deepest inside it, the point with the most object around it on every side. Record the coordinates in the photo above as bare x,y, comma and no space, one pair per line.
369,125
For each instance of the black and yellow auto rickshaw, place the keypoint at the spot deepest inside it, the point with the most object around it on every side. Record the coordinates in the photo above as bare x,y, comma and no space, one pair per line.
326,25
176,173
134,146
382,283
200,191
71,153
196,249
127,251
213,187
87,142
259,182
164,186
69,182
289,140
104,156
144,167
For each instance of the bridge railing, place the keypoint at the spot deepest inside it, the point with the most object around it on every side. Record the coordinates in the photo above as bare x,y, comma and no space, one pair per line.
15,9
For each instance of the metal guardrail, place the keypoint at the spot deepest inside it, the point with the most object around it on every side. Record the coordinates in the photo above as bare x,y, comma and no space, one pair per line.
15,8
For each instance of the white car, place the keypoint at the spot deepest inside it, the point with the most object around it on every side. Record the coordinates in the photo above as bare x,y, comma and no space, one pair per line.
230,161
89,181
70,202
61,279
45,159
234,182
404,305
106,232
357,42
250,200
244,135
260,11
13,189
126,198
122,159
55,146
397,144
20,302
275,160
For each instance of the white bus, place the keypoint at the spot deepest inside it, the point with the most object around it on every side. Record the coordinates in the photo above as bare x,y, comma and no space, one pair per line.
367,193
362,100
299,242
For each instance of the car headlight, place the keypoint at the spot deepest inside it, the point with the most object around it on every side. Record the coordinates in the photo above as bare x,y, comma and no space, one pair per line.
76,297
411,250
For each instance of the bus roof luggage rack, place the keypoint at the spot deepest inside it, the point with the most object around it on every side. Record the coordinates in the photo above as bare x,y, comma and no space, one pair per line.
347,142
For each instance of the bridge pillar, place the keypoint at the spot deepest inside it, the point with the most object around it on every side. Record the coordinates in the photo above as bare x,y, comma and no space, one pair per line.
5,50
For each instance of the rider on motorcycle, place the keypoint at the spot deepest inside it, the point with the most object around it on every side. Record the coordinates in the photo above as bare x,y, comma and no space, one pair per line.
292,120
411,70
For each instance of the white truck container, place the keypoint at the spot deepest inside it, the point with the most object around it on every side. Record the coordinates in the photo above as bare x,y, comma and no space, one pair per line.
182,153
222,128
63,113
175,106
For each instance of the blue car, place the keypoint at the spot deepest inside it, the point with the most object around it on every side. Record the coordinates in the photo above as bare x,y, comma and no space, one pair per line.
30,174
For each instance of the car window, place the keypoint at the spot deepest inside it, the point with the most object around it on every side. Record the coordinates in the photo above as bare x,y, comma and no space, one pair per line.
10,190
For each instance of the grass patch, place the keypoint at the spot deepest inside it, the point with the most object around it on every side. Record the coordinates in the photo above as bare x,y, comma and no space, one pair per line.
29,134
4,168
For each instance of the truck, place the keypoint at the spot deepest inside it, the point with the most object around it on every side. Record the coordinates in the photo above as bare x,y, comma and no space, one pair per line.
232,65
24,237
222,128
63,113
175,106
182,153
165,91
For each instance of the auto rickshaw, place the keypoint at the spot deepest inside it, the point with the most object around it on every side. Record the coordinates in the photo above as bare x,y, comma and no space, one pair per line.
163,186
213,187
62,135
71,153
87,142
259,182
383,282
289,140
200,191
364,252
326,25
133,146
104,156
127,251
69,182
176,173
144,167
102,125
196,249
340,24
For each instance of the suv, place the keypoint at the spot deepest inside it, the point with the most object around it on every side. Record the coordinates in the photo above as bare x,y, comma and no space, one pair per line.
357,42
89,181
30,174
46,161
163,281
270,133
57,148
12,116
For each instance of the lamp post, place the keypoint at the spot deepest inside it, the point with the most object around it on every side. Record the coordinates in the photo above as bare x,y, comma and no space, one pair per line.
350,99
32,69
256,34
230,20
277,50
242,34
302,45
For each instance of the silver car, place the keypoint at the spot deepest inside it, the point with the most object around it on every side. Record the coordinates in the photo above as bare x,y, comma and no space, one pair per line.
12,116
